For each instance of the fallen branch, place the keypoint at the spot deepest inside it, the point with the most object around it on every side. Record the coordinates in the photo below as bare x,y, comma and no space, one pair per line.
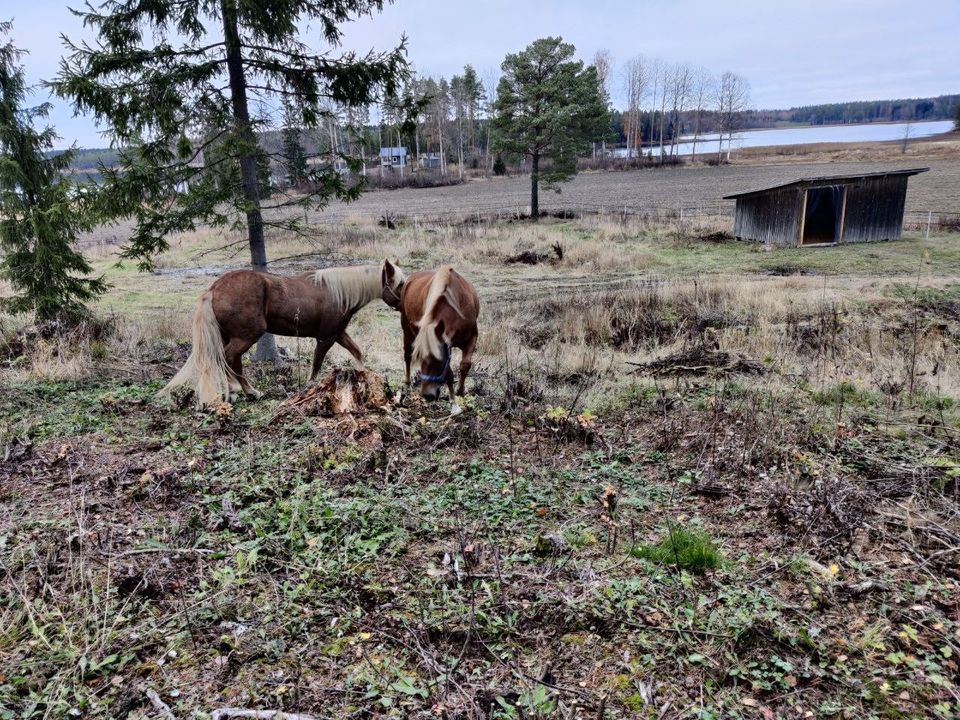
173,551
229,712
700,360
160,706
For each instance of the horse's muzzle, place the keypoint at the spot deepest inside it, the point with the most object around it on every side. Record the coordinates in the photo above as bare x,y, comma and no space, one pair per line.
431,393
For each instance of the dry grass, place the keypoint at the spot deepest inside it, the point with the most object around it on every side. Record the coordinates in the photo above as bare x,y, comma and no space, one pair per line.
626,290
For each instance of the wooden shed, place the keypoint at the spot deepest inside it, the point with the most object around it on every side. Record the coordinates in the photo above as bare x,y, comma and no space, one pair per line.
825,210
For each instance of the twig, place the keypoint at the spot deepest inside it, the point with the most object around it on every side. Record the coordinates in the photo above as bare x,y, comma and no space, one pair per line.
229,712
160,705
142,551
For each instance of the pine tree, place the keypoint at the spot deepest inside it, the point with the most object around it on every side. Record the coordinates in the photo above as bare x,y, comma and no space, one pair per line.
41,214
548,106
171,79
294,156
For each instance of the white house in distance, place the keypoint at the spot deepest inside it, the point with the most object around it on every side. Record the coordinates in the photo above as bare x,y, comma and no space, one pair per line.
393,157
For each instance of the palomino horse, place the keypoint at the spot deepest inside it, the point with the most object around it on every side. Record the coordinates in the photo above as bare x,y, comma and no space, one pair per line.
243,305
438,311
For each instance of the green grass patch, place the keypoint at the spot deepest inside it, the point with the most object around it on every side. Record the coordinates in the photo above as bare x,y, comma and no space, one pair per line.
846,393
685,548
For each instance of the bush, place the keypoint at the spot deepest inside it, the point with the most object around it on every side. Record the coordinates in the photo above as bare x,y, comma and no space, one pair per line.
420,179
685,549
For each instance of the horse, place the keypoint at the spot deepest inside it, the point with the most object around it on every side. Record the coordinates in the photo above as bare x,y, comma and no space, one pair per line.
242,305
438,311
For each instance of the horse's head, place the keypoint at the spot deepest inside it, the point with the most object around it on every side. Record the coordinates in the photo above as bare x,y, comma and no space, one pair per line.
392,279
432,354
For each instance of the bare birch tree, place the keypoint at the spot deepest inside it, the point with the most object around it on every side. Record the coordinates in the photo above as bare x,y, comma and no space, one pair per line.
603,62
490,79
681,77
702,90
663,73
732,98
636,78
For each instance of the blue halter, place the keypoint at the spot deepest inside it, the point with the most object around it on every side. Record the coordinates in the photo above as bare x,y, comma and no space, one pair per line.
442,377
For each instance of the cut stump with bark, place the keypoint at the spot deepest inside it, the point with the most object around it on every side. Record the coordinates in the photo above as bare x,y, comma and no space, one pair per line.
344,391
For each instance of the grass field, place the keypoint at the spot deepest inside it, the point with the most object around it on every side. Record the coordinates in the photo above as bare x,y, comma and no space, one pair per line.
692,479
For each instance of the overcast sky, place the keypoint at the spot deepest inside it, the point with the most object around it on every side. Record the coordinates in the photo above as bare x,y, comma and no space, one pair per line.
793,52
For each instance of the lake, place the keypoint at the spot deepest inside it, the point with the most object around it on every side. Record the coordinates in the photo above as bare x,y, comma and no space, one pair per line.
871,132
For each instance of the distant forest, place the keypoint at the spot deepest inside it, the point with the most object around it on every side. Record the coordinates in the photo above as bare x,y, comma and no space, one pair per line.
943,107
865,111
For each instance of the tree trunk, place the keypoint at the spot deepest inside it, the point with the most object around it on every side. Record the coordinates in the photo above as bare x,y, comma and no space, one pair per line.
696,132
488,147
443,164
266,346
460,143
403,158
535,187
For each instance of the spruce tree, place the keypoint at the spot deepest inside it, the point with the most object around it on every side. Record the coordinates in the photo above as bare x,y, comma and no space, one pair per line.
171,79
294,157
41,211
548,106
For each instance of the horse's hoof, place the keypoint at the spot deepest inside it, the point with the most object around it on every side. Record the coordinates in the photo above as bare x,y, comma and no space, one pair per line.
255,394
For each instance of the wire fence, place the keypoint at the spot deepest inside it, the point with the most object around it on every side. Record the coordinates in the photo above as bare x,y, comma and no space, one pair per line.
484,214
682,216
926,221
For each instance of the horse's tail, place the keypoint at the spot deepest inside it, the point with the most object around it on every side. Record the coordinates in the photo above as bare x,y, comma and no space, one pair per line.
206,370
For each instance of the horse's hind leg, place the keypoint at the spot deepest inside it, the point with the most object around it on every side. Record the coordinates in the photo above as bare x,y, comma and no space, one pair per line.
319,353
234,352
233,382
466,362
347,342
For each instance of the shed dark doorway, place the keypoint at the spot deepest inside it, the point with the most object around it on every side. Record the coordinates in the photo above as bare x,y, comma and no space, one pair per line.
823,217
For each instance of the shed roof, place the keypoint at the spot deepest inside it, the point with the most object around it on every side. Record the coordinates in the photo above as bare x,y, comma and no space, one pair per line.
390,151
836,179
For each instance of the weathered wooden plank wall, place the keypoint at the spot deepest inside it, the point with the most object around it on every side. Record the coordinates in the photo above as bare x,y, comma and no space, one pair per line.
772,217
875,209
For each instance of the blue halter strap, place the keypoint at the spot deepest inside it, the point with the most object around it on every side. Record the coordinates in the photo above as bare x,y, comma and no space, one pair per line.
442,377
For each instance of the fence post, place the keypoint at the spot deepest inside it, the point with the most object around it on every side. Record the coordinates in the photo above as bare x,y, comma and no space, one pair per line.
929,218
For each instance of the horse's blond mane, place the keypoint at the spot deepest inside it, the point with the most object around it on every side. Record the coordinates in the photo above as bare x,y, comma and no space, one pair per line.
351,287
427,344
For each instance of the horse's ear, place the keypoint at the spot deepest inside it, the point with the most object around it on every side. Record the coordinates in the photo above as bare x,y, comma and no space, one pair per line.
389,272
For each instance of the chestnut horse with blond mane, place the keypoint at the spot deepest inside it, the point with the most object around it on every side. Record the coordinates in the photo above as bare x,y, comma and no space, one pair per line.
244,304
438,312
